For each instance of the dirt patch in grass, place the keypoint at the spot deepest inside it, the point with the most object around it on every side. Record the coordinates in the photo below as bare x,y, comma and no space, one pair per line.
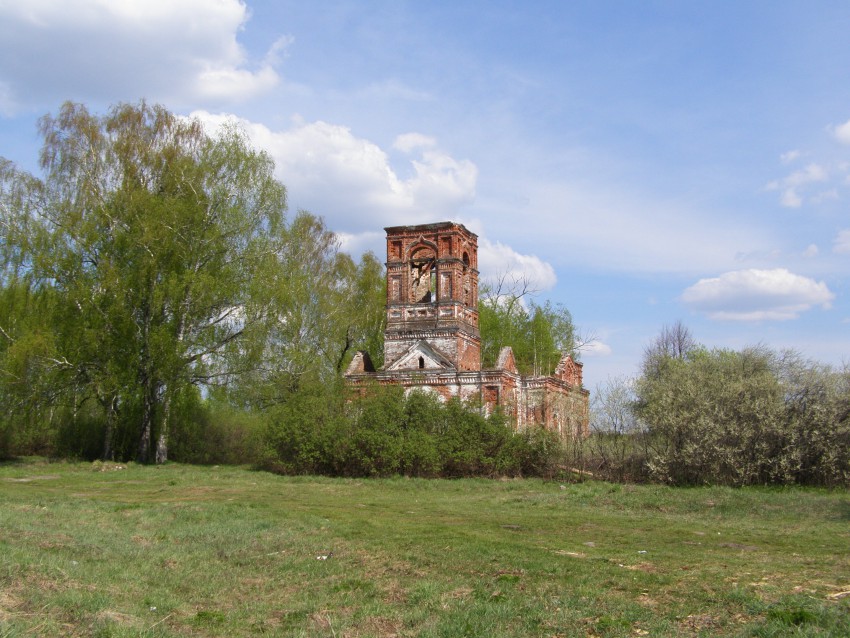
461,593
647,568
380,626
29,479
8,605
839,595
125,620
141,540
695,623
58,541
395,594
327,621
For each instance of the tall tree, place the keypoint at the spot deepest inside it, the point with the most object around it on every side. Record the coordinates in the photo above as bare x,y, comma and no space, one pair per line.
161,245
539,334
673,343
329,306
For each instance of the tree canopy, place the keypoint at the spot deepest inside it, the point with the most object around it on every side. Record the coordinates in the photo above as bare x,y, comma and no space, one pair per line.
151,258
735,417
539,334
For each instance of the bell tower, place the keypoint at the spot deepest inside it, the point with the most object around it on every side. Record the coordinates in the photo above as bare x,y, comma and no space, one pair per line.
432,298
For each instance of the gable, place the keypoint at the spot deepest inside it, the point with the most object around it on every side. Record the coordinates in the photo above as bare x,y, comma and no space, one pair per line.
569,371
422,356
506,360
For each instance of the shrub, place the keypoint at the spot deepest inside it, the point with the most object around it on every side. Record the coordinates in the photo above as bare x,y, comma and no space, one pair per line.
387,432
746,418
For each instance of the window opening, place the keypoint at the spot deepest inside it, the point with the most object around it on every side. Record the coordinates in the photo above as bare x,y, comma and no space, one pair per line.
422,276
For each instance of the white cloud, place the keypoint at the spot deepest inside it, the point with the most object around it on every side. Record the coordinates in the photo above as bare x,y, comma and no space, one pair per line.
790,198
350,182
756,295
442,183
812,173
165,50
842,132
791,185
226,83
496,260
842,242
357,244
596,348
811,251
412,141
790,156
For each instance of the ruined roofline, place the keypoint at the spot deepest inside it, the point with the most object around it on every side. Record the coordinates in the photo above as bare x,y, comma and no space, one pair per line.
429,228
358,372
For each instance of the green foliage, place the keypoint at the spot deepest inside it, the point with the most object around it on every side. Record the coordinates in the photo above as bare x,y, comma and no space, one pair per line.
616,449
700,416
714,417
153,259
301,436
540,335
744,417
817,414
152,241
386,433
214,432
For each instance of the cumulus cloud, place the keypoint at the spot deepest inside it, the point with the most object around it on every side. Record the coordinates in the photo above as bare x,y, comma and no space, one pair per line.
757,295
351,182
842,242
498,261
356,244
166,50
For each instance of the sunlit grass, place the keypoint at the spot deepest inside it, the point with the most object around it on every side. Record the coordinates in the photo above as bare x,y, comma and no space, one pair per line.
179,550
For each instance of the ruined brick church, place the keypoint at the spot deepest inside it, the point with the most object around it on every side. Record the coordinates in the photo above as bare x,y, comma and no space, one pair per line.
432,341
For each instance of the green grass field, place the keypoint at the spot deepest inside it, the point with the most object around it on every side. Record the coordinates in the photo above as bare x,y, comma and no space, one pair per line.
105,550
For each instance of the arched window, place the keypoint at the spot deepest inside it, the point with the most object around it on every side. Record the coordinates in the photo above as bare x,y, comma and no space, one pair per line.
423,276
421,363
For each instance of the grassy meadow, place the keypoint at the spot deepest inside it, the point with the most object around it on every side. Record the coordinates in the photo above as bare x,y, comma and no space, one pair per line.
112,550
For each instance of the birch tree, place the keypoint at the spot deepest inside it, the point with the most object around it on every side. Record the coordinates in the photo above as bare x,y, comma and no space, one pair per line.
160,246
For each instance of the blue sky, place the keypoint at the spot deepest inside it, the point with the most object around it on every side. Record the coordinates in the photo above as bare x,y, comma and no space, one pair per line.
641,163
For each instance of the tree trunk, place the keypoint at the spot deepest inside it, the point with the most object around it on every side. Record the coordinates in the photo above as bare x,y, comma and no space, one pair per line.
108,450
147,422
162,439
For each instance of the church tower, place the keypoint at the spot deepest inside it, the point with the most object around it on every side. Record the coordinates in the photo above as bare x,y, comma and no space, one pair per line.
432,341
432,299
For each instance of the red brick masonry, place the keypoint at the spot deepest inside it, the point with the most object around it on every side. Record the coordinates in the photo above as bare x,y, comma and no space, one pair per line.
432,341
